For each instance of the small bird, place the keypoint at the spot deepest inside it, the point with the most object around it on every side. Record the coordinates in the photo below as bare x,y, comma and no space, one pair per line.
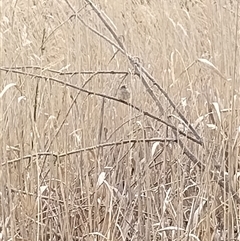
124,93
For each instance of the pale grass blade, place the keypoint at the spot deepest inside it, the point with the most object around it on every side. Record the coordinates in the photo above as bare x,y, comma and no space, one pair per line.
154,147
211,66
216,106
6,88
101,179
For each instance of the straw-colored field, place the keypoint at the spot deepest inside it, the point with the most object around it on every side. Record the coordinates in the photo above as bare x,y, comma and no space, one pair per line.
119,120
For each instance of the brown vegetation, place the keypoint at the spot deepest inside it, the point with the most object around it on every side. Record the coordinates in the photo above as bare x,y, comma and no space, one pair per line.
78,162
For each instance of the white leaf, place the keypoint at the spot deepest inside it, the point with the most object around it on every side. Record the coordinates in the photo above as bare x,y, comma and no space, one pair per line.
207,62
212,126
101,178
42,189
65,67
184,101
154,147
139,123
6,88
25,40
21,98
216,106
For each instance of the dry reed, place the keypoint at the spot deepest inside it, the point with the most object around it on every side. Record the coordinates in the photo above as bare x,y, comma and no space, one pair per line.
80,163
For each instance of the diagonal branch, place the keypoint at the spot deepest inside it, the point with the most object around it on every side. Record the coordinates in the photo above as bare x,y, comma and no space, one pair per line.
146,113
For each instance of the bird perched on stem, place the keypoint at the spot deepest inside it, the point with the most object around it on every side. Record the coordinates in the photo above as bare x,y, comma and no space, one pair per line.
124,93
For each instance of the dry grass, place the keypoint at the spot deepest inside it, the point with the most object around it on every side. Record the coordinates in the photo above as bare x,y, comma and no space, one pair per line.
77,163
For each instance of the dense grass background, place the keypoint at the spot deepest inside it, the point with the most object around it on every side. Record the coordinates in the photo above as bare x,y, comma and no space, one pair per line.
77,163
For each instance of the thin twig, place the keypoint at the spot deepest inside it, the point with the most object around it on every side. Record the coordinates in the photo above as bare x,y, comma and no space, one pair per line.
39,154
111,72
